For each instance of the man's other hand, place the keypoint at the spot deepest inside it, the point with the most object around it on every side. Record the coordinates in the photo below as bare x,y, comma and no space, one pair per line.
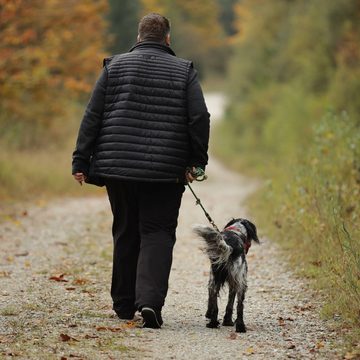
189,176
79,177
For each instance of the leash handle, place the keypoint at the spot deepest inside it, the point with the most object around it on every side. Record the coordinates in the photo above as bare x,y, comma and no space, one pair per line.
198,173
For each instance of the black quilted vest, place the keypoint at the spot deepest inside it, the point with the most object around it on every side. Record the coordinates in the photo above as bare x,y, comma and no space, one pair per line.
144,129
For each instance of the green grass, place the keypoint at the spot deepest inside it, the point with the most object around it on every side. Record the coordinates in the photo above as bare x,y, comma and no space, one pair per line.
41,171
309,204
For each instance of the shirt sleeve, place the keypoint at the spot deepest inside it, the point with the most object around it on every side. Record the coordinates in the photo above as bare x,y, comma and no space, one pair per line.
90,126
198,122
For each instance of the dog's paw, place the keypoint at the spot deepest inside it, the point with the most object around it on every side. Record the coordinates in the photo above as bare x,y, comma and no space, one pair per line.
213,324
228,322
240,328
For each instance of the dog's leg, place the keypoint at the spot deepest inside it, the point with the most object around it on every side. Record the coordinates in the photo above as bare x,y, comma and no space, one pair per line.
229,308
239,324
212,311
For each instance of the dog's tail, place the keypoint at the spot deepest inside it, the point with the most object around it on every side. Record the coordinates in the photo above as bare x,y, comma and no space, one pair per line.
216,248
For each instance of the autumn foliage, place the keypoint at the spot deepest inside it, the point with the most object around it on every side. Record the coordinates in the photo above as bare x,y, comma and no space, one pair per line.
50,53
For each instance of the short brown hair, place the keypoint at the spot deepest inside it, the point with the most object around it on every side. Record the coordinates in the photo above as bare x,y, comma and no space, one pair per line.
154,27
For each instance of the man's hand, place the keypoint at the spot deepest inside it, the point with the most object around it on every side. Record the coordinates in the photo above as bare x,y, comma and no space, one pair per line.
79,177
189,176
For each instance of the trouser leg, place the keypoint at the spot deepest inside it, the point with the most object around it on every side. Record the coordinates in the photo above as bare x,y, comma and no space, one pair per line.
158,213
123,200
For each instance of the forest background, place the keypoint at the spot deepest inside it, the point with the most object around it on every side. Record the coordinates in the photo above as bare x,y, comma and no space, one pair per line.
291,72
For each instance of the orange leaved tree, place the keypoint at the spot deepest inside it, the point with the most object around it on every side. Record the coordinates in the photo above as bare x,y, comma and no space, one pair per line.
50,53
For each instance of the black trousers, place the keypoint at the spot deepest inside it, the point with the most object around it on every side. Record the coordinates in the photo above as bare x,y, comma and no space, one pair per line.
144,225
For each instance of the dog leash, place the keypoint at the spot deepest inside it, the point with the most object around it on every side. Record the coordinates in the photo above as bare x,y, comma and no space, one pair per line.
199,173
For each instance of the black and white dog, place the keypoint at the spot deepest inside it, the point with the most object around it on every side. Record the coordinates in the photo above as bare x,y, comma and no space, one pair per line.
227,253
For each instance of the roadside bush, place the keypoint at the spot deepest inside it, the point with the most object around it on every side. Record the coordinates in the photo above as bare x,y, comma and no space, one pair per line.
316,212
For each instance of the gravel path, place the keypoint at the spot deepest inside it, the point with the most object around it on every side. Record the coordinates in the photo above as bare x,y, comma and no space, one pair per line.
55,268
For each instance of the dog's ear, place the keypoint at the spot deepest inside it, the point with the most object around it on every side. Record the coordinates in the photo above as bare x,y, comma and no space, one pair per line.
205,232
251,230
231,222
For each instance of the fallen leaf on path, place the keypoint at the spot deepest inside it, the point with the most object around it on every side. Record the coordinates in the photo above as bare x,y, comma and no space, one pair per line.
88,292
108,328
80,281
70,288
320,345
59,278
250,350
4,274
281,321
76,356
23,253
129,325
304,307
65,337
232,336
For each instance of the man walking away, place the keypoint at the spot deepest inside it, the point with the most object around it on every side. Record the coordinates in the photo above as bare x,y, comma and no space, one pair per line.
145,124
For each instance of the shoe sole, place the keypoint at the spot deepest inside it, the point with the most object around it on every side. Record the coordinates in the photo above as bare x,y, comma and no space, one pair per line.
150,319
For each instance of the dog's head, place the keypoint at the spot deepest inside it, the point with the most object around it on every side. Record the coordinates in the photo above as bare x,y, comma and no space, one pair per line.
243,227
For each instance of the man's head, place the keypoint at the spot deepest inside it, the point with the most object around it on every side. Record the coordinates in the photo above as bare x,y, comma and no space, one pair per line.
154,27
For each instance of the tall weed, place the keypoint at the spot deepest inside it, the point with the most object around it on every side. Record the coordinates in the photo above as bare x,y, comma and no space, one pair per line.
316,213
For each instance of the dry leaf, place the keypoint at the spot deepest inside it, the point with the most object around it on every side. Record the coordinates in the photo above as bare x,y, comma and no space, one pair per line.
23,253
80,281
303,308
70,288
320,345
250,350
4,274
232,336
101,328
59,278
112,329
65,337
129,325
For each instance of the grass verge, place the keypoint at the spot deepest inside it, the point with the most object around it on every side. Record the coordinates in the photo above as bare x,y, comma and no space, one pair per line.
309,204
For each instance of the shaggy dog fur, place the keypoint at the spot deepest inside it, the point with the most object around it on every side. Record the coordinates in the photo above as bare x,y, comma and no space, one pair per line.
227,253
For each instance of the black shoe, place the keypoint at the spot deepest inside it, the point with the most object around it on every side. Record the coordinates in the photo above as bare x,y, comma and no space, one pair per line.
152,318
